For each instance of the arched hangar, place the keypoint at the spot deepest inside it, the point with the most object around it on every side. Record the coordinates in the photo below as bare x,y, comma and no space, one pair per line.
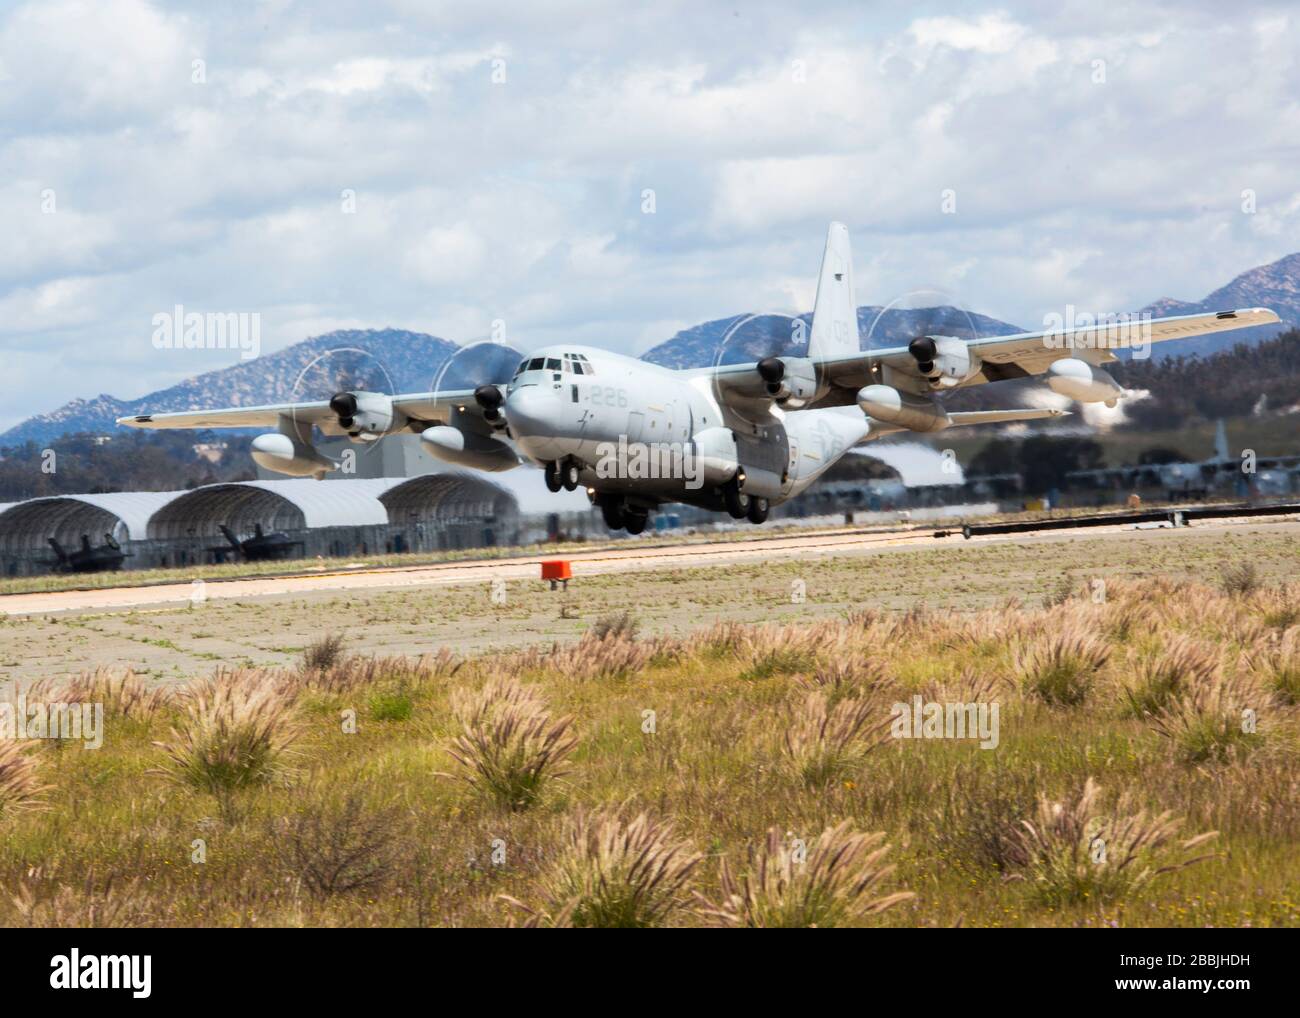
320,518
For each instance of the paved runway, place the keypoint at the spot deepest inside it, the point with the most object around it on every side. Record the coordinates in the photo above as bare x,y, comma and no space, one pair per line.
634,556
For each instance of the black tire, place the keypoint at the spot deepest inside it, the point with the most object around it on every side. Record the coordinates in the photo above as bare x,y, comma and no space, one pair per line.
758,508
635,522
612,510
552,473
737,501
569,474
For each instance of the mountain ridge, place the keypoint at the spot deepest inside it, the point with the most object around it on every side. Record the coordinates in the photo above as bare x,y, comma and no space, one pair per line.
398,360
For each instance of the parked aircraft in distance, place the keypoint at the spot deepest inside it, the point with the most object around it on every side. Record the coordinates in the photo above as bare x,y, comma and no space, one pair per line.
1184,480
106,558
261,547
735,438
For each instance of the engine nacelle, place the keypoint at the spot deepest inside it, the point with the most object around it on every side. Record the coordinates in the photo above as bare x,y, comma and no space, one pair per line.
945,361
467,449
1078,380
887,404
284,455
791,381
716,454
366,416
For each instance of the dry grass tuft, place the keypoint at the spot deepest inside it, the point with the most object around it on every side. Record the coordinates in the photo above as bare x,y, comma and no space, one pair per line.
1275,662
836,885
233,734
768,650
854,677
615,655
623,624
1076,853
323,654
1160,677
1212,721
348,674
510,746
20,784
823,743
1240,579
1278,607
123,693
1060,666
971,686
42,903
614,875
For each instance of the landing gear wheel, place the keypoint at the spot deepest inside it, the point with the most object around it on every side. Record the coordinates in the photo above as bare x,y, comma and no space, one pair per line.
569,474
737,501
635,522
758,510
552,472
612,510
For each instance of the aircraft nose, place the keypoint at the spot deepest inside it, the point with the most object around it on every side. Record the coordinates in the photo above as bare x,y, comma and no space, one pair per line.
532,410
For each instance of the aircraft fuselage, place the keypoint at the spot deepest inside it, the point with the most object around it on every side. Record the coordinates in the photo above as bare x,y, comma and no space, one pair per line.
658,435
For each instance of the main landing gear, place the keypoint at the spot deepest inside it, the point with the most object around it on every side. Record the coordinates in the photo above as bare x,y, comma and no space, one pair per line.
618,515
741,506
562,474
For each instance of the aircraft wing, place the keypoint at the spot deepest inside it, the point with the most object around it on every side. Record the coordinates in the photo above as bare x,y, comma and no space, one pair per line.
419,406
1001,357
1030,353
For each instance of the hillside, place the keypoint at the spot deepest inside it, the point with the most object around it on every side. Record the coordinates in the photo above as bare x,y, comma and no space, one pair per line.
396,360
744,338
390,360
1275,286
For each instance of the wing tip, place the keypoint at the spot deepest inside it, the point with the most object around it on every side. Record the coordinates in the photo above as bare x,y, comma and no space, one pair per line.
1268,315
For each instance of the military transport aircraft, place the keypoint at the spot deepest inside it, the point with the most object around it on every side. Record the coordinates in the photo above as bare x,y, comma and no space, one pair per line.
737,438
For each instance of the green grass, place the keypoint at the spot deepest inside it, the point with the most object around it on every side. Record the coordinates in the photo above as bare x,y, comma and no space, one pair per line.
420,847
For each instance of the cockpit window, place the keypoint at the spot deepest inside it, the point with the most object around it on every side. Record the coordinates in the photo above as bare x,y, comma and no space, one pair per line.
552,364
536,364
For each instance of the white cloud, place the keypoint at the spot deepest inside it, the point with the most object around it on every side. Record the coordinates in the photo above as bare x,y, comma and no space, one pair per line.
521,200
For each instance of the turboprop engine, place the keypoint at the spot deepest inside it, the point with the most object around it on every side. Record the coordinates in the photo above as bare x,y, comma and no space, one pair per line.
887,404
286,455
1079,380
366,416
467,448
791,381
946,361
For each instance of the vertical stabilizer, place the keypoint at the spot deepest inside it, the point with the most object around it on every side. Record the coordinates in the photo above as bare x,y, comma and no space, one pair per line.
835,314
1221,442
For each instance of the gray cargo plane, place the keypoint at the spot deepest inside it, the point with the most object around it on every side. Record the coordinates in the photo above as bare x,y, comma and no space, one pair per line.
734,438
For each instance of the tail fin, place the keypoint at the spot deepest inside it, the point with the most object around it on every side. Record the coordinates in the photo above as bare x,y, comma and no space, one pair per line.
1221,442
234,541
835,315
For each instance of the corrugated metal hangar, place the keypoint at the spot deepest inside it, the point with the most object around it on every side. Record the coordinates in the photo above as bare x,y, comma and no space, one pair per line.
256,519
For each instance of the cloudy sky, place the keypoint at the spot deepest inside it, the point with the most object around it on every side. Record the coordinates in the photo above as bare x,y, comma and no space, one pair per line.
439,166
